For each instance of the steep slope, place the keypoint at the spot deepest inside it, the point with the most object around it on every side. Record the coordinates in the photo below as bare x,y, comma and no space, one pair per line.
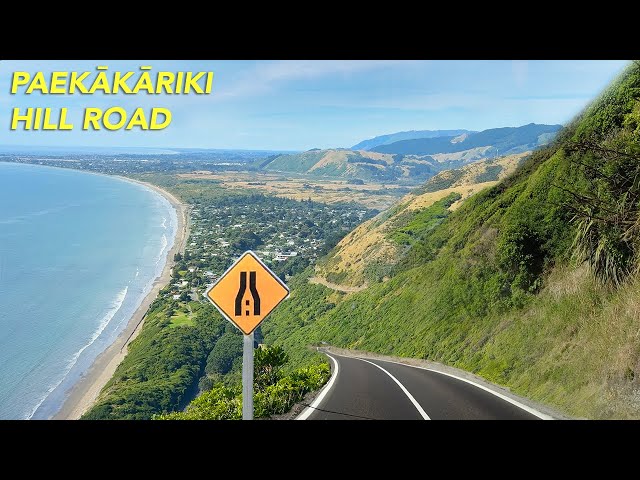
396,137
532,283
369,252
506,140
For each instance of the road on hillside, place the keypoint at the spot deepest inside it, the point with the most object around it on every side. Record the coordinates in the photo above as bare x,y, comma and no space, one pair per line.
366,389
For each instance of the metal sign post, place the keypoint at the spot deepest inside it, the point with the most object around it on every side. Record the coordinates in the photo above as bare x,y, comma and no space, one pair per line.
247,377
245,294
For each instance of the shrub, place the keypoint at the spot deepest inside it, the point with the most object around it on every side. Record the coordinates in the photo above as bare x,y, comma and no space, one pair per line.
274,392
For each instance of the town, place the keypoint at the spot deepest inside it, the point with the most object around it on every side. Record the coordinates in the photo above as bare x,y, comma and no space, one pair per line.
287,235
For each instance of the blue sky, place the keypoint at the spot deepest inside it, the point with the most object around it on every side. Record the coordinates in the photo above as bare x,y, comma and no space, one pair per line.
297,105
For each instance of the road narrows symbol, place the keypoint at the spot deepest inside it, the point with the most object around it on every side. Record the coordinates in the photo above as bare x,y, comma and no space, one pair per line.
247,292
254,293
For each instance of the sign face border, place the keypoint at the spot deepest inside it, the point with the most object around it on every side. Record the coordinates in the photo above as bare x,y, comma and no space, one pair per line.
227,271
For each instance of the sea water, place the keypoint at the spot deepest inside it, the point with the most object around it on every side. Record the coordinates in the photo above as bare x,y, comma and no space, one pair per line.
78,254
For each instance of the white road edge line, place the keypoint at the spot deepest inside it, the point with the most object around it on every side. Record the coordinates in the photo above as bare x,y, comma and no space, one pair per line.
406,392
311,408
524,407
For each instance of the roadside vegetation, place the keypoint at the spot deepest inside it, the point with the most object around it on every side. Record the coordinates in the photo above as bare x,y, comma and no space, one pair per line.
274,391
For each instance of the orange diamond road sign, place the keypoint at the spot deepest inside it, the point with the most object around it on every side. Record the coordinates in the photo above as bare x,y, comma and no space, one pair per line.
247,292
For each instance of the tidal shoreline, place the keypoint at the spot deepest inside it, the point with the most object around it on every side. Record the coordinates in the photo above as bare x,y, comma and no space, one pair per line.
84,393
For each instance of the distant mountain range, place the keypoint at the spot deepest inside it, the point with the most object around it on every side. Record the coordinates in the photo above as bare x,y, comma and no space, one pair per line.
410,135
413,160
506,140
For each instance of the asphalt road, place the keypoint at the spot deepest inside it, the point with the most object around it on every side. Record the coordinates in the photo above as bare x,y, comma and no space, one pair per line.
365,389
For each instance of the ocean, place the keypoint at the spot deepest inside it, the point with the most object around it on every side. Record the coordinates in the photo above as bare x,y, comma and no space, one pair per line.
78,254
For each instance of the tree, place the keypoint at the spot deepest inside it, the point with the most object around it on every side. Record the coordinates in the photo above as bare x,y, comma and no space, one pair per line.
247,241
225,351
268,362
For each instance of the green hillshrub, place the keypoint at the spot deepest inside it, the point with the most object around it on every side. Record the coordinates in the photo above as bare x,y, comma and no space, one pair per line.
274,393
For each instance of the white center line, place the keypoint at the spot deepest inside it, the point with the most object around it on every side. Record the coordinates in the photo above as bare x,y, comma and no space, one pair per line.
406,392
512,401
311,408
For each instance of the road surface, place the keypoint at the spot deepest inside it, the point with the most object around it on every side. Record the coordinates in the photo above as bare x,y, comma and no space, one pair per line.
367,389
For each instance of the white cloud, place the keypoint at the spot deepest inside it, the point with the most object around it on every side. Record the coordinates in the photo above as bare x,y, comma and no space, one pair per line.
263,77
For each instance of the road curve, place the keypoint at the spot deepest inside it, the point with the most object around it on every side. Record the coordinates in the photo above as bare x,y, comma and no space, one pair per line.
367,389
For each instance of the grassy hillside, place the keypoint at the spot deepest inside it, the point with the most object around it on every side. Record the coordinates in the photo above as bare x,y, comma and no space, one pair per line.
506,140
296,162
532,283
368,253
350,164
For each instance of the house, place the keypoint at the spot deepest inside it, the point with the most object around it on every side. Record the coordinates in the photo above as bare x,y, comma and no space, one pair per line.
281,257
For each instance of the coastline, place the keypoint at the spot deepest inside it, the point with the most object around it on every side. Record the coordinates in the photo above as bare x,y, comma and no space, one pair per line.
84,393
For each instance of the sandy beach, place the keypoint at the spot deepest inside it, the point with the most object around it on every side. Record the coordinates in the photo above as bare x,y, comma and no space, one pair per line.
85,392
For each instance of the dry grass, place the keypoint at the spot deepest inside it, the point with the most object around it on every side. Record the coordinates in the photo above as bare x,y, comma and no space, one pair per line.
365,244
319,190
427,199
339,157
508,164
387,157
331,157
